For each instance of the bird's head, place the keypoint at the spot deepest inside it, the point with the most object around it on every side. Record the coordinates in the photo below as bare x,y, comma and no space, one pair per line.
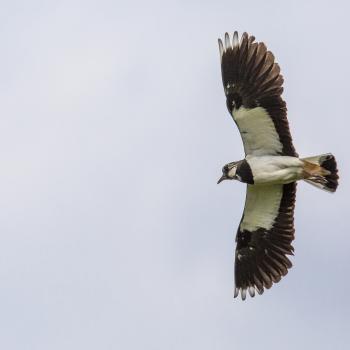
229,172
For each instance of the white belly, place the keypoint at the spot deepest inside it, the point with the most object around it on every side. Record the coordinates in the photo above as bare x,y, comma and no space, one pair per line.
275,169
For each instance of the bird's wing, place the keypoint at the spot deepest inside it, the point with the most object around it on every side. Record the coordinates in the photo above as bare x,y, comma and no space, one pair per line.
264,237
253,88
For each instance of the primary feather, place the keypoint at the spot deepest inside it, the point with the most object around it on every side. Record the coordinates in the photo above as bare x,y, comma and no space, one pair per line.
253,88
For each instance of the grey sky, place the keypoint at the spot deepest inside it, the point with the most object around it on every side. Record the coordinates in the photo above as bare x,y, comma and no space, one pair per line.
114,129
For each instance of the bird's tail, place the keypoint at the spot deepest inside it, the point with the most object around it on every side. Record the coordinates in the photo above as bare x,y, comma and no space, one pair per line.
321,171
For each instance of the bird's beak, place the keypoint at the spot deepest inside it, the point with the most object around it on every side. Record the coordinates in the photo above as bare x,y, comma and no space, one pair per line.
222,178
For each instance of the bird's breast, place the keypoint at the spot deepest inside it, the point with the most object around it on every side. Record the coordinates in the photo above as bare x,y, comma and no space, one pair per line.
244,172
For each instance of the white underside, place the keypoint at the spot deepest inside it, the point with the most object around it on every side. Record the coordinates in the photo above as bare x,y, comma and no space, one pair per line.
258,131
261,206
262,147
264,197
275,169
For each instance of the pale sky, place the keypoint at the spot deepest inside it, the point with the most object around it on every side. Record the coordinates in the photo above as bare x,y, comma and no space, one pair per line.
114,130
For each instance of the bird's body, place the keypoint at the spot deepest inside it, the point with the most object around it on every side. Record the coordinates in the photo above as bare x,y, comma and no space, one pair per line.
271,167
271,170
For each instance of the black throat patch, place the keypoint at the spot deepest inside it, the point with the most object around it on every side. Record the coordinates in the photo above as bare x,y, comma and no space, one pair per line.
244,172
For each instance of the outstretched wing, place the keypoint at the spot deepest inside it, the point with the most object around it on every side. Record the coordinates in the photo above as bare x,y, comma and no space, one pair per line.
253,88
264,238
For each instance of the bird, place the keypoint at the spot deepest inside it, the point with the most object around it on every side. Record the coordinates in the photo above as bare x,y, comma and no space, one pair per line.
271,168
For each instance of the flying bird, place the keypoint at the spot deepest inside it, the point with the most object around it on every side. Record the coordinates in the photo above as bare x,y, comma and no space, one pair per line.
271,167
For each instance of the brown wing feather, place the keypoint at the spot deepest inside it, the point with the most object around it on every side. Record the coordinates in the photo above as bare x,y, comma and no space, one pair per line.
261,254
252,78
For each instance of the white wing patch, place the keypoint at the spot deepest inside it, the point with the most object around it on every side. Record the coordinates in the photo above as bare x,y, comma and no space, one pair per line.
261,207
258,131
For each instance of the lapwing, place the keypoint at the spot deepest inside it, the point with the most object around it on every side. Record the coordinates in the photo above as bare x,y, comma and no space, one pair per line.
271,167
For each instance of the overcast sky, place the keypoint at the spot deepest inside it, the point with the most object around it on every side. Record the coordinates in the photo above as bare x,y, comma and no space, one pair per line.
114,129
